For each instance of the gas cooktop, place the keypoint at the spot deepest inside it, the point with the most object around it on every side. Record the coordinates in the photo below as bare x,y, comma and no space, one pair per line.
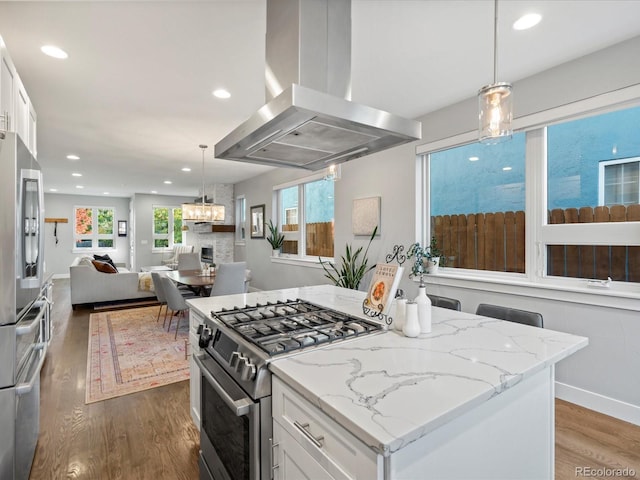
285,326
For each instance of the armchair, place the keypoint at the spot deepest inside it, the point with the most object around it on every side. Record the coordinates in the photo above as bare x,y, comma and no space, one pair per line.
177,250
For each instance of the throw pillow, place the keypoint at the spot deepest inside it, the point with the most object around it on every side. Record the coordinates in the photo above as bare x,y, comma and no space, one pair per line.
104,267
106,258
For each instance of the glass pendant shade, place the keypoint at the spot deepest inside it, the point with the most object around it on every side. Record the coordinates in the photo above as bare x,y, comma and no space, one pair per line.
495,117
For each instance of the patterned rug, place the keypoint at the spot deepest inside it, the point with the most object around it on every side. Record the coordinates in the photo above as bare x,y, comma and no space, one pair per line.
129,352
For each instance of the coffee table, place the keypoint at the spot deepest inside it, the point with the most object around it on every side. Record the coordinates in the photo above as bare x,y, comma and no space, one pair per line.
155,268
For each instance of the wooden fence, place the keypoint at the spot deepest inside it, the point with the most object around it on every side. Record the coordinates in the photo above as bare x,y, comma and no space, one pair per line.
319,239
496,241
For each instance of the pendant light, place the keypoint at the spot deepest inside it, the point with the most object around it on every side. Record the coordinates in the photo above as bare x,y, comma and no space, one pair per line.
203,211
495,101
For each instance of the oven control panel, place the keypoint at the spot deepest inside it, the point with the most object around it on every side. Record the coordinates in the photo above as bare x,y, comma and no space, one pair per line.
221,346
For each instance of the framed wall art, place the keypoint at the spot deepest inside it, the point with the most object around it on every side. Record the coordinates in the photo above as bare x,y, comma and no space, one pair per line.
257,221
365,215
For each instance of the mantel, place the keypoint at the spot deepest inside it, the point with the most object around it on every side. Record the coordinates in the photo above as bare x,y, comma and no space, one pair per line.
213,228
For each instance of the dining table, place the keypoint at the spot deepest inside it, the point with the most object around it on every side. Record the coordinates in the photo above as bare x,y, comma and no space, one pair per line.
197,280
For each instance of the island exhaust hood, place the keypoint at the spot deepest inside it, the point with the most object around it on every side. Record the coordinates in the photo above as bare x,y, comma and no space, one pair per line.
309,121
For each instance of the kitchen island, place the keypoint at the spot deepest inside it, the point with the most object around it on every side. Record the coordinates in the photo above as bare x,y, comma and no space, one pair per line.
472,399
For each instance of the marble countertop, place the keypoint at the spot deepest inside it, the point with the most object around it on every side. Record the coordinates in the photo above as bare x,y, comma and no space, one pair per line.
389,390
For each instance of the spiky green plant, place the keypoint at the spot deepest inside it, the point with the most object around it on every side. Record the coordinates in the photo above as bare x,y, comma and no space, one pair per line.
275,238
353,267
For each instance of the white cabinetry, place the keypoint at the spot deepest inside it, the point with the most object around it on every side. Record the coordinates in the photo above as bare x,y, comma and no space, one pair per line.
309,444
17,113
195,319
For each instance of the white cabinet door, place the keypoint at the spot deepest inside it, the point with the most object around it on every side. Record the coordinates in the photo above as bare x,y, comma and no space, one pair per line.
194,372
7,90
32,131
292,461
22,111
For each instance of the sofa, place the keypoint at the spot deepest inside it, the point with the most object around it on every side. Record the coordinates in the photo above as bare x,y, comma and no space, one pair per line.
89,285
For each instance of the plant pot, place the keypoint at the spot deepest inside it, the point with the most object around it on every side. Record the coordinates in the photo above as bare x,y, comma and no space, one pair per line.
433,264
275,252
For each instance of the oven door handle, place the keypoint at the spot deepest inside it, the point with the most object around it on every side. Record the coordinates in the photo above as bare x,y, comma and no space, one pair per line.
239,407
23,330
26,387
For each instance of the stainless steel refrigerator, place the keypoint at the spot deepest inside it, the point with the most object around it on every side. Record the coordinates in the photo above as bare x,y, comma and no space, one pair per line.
23,308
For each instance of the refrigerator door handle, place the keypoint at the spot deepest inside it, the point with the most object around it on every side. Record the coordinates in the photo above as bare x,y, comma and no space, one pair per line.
23,330
24,388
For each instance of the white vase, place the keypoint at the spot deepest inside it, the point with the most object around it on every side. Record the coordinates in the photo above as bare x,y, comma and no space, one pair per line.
401,313
424,310
411,327
275,252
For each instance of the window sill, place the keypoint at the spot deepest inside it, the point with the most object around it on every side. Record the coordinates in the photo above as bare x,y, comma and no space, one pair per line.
310,262
91,251
602,297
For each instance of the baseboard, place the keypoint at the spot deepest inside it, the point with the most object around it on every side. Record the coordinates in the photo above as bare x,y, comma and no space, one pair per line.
61,275
594,401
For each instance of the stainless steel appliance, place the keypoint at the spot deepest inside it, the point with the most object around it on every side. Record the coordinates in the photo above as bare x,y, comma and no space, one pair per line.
23,306
309,121
239,344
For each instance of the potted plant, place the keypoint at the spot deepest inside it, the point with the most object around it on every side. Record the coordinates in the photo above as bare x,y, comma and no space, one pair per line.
353,266
275,238
435,257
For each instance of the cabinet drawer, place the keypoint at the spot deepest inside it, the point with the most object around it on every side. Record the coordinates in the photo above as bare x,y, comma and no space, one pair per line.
328,442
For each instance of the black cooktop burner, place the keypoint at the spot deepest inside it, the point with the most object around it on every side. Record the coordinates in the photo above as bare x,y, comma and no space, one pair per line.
281,327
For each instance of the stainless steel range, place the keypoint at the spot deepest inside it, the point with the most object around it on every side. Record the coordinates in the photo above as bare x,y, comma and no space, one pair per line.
239,344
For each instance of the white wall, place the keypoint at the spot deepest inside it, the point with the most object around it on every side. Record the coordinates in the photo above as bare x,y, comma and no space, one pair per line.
59,256
602,376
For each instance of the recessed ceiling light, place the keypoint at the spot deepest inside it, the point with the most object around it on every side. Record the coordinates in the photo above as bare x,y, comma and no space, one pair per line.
474,159
168,182
221,93
53,51
186,169
79,186
506,169
75,174
53,189
73,157
154,191
527,21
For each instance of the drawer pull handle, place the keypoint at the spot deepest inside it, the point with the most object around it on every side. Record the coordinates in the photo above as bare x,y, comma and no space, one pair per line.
317,441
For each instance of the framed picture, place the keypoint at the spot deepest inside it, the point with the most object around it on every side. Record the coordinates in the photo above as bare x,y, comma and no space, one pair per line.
365,215
122,228
257,221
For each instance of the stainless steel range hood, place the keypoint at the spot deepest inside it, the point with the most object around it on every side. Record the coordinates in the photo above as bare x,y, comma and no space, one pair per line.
310,122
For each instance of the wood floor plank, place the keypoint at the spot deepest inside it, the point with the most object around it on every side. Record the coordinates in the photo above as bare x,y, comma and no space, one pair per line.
150,436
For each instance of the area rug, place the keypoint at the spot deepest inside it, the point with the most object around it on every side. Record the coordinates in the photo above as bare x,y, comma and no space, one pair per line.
129,352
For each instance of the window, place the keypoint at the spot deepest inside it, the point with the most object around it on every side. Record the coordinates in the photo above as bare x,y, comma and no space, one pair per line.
241,219
167,227
619,182
94,228
477,198
581,220
305,213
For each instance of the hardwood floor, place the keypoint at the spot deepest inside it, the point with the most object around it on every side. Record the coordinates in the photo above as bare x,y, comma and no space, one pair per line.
149,435
146,435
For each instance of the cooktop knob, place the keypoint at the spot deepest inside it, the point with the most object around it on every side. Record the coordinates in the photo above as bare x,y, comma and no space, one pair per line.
205,337
247,370
235,359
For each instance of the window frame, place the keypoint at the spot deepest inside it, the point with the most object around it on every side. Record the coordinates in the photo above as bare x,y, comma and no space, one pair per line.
601,174
162,236
95,237
299,235
539,232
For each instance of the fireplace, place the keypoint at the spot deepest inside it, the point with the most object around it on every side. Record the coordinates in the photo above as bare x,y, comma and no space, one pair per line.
206,254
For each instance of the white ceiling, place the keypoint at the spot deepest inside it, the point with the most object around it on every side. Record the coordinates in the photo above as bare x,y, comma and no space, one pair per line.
133,99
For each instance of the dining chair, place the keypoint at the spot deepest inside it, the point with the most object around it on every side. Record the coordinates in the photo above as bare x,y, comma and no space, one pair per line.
230,279
158,287
510,314
189,261
175,302
445,302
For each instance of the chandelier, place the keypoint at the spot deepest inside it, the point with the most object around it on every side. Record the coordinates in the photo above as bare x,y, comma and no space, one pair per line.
495,101
202,211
